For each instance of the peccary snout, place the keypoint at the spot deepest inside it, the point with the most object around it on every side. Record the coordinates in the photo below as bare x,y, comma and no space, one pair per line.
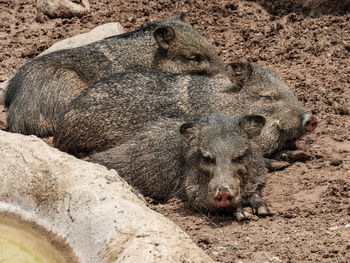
262,92
225,184
309,122
229,168
224,197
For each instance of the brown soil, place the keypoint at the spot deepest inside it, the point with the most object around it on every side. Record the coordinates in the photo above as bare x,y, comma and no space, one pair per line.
311,200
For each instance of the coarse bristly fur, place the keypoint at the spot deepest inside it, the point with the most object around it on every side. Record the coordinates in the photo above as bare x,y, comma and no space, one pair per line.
42,88
118,107
192,159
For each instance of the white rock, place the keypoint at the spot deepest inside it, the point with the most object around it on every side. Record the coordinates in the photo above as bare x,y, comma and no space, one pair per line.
3,86
63,8
96,34
95,211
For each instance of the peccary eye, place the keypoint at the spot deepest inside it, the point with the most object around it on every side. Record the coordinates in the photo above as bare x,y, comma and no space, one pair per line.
208,160
268,97
238,159
241,172
195,58
271,96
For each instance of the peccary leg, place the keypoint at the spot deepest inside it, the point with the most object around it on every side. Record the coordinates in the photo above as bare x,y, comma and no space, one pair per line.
268,136
275,165
293,156
241,214
285,158
258,206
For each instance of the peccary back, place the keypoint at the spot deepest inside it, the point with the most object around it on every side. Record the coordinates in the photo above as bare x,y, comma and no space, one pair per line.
151,161
115,108
42,88
212,162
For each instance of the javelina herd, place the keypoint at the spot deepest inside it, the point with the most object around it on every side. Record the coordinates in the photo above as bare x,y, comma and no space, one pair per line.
42,88
160,106
117,107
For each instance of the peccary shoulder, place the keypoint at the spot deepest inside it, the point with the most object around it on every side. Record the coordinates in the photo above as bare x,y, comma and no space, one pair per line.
212,162
41,89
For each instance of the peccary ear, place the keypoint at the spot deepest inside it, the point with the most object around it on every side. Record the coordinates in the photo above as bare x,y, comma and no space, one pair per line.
239,72
181,16
164,35
189,130
252,125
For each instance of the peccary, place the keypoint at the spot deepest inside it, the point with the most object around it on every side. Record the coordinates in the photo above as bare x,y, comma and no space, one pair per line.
213,162
115,108
42,88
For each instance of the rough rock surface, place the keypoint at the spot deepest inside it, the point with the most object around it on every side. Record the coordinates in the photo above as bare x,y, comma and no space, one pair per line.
63,8
92,209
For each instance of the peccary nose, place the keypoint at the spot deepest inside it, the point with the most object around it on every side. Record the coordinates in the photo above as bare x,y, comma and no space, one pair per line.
224,197
310,123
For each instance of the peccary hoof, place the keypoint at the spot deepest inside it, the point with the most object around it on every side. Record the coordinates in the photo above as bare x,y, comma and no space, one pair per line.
264,211
274,165
241,215
294,156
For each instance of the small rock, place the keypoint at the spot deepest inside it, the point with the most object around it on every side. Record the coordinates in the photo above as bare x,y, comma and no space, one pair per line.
63,8
336,162
3,86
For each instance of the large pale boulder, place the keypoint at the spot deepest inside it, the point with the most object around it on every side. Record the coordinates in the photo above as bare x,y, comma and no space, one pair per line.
63,8
86,212
96,34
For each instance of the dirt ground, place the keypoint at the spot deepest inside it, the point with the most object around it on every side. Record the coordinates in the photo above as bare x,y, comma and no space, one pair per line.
310,200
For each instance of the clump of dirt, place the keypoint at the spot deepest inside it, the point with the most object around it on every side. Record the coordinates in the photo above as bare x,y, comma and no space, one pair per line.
310,200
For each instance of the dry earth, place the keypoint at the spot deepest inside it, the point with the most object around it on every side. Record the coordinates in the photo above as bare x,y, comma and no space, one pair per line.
311,200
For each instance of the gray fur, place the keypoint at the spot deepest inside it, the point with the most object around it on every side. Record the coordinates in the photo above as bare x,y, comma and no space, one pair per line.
118,107
169,158
42,88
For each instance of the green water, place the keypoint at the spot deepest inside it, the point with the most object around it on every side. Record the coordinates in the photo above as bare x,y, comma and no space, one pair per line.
20,243
13,252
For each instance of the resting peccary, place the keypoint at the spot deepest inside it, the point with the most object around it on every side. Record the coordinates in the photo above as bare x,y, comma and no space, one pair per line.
42,88
213,162
115,108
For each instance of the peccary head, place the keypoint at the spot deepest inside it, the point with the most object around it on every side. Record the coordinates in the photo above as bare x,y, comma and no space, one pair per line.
264,93
182,49
223,166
